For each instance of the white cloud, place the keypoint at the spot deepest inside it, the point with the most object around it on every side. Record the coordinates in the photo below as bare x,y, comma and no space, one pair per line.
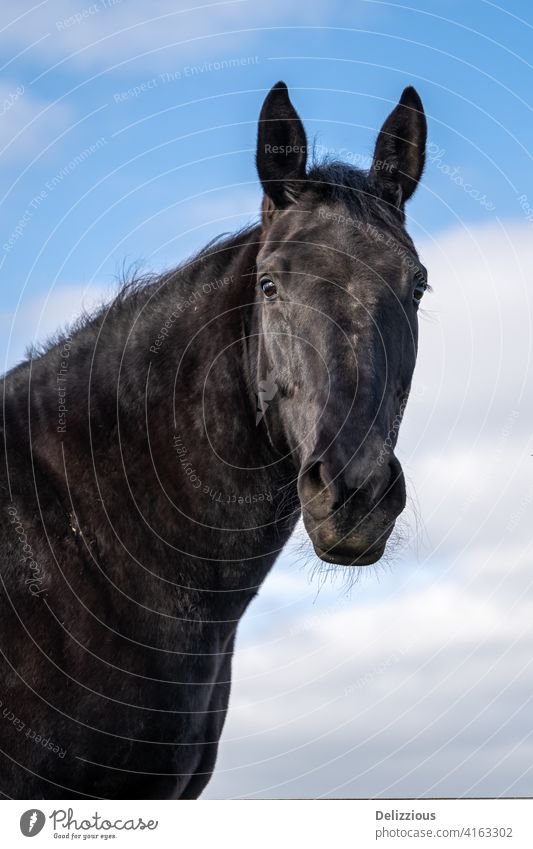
378,690
388,698
159,34
27,123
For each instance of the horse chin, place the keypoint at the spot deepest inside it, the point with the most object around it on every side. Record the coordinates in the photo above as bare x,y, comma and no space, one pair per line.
349,549
347,557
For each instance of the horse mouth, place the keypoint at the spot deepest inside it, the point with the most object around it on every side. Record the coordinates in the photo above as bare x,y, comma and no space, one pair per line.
345,557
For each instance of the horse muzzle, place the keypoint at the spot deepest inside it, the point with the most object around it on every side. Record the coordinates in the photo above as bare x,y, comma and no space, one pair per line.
350,512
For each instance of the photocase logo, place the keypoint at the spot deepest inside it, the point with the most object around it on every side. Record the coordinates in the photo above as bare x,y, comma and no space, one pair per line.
32,822
266,391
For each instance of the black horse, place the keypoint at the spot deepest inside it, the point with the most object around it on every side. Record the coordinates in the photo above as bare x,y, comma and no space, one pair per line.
157,457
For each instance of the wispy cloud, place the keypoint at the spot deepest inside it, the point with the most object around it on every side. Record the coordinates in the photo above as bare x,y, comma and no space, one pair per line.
27,122
111,32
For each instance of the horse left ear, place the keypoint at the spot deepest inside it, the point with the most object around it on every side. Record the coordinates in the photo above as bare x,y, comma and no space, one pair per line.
400,151
281,149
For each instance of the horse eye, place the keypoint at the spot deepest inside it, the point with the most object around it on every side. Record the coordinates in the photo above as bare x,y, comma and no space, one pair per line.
269,288
420,288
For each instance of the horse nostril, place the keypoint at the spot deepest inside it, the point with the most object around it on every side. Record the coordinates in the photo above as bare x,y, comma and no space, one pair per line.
357,486
318,492
316,477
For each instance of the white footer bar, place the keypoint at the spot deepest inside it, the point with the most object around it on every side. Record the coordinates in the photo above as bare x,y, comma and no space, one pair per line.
272,824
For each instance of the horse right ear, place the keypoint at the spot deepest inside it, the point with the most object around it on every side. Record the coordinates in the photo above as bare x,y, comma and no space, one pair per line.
281,150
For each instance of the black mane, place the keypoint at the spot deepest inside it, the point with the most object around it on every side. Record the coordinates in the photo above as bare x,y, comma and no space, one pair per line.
135,288
333,181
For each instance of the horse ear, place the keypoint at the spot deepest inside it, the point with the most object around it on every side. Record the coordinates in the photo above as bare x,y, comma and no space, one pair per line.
400,151
281,149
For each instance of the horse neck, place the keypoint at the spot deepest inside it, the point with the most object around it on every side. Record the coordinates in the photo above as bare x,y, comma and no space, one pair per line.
203,396
114,466
214,331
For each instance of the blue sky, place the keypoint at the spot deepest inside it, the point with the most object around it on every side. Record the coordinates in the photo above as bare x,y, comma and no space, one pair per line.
128,136
175,163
